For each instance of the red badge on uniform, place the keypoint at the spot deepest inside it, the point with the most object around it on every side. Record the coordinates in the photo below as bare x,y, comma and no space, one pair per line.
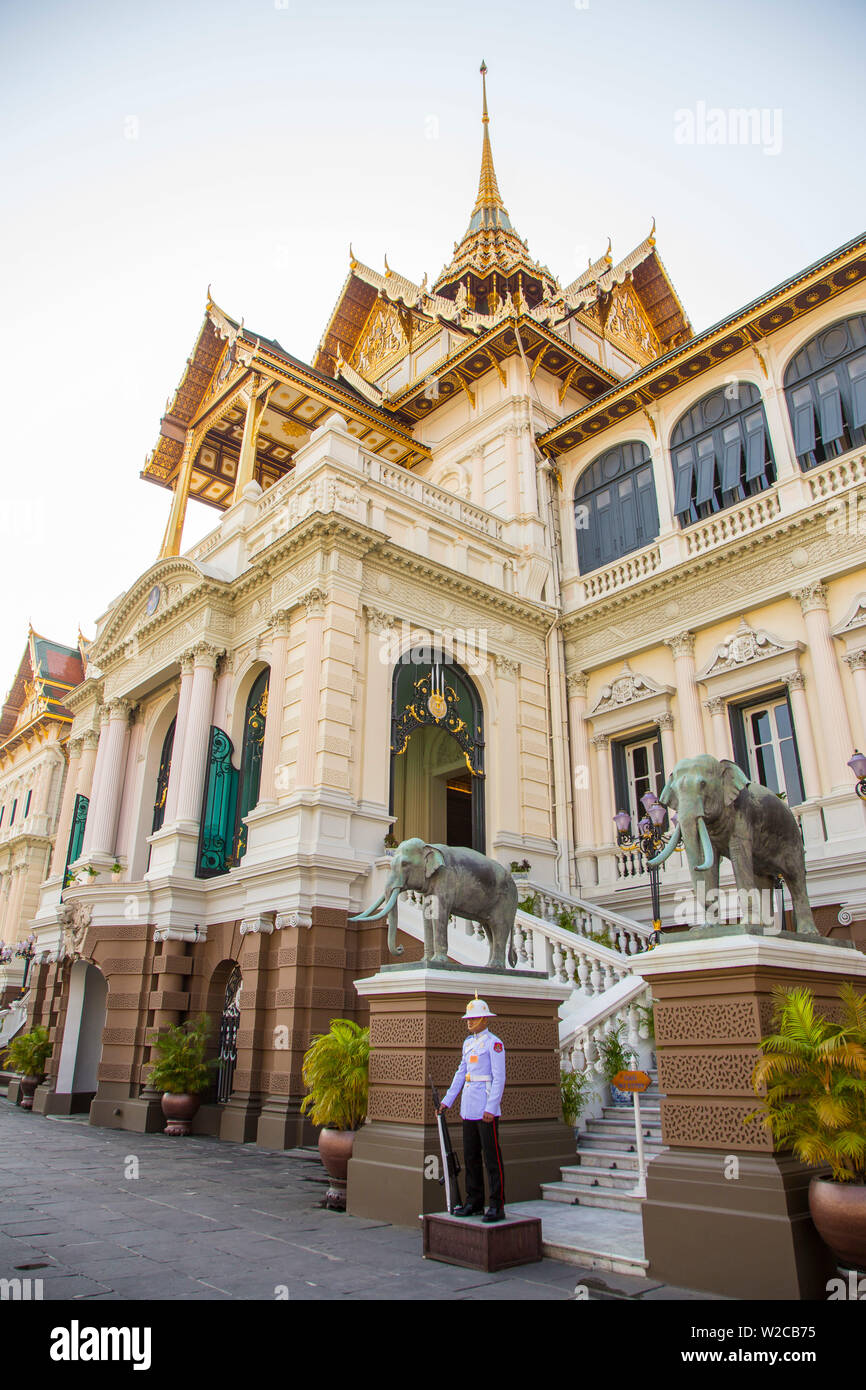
497,1047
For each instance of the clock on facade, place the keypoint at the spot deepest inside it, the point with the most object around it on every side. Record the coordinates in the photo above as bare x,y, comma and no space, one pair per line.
153,599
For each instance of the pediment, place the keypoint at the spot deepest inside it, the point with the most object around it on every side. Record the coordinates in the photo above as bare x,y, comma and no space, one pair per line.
746,647
628,688
382,339
157,590
854,619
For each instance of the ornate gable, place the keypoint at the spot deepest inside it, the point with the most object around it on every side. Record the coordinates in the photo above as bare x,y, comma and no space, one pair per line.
746,647
628,688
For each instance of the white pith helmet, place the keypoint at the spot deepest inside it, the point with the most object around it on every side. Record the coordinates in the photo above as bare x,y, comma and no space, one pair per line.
476,1008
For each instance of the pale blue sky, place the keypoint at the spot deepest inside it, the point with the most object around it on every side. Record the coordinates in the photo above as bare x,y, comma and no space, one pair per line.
151,148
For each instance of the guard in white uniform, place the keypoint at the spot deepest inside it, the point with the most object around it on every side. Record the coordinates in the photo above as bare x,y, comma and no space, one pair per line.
481,1078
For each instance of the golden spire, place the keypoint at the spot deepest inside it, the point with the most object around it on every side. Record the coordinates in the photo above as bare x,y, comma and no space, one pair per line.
489,197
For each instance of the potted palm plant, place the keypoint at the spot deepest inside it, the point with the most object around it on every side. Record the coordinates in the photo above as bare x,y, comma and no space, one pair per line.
614,1058
181,1071
27,1055
814,1072
335,1072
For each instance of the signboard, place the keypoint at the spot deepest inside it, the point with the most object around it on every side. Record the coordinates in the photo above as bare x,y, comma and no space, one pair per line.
631,1080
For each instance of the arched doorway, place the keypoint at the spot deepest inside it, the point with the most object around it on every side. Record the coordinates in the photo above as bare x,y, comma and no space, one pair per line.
81,1050
437,752
225,996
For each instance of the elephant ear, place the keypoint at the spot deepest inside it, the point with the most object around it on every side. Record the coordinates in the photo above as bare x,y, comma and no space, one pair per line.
733,780
433,859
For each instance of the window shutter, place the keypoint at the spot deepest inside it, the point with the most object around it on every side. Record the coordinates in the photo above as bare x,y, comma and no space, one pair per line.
683,499
660,764
627,517
738,739
706,477
800,792
756,452
605,549
830,406
731,465
219,805
857,373
620,781
804,428
648,512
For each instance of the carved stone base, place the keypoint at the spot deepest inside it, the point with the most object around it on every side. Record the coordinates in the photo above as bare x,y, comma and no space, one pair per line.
416,1032
467,1241
745,1235
48,1102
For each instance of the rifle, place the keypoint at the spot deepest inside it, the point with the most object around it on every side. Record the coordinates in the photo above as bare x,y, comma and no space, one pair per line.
450,1161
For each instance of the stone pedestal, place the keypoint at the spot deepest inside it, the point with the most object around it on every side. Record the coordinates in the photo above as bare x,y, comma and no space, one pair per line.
467,1241
724,1213
416,1031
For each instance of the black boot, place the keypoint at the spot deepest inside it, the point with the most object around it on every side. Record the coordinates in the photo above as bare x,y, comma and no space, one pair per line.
494,1214
467,1209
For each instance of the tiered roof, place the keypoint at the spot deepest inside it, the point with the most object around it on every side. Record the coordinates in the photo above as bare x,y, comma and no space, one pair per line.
47,672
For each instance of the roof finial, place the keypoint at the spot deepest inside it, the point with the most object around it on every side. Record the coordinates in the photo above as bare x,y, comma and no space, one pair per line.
483,70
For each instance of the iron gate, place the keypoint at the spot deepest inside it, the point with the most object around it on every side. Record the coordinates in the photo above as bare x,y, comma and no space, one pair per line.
228,1039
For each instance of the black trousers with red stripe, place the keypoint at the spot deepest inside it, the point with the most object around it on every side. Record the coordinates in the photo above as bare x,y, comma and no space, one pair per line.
481,1150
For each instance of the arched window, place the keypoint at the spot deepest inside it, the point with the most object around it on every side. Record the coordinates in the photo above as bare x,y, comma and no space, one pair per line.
615,508
825,384
721,452
162,780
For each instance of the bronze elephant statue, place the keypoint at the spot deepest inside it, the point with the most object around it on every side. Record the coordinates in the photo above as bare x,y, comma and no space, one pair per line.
721,813
454,880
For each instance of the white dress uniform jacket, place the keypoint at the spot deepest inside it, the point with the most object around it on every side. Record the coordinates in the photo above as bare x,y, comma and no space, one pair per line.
481,1075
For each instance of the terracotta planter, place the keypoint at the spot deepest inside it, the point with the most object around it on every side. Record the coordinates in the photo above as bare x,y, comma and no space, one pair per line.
335,1150
839,1213
180,1112
27,1089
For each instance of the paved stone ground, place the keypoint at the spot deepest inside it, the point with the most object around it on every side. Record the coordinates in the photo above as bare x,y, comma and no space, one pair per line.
216,1221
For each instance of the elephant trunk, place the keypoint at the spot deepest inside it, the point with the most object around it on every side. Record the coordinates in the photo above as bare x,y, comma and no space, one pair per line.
394,949
668,849
379,909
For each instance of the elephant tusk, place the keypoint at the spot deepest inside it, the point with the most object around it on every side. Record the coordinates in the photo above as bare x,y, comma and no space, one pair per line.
367,910
706,846
668,849
378,910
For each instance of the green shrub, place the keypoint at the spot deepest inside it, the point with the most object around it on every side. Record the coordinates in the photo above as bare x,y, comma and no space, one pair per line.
336,1074
28,1053
181,1067
576,1091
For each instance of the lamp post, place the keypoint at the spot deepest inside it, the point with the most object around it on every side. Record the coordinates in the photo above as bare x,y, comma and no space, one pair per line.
650,840
857,765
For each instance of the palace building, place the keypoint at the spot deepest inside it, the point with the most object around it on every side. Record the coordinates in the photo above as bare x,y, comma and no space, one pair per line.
481,573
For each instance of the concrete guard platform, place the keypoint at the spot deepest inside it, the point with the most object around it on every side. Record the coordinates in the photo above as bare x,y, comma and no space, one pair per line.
474,1244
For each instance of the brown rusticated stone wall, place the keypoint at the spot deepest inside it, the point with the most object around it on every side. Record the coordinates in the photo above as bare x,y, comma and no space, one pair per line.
708,1026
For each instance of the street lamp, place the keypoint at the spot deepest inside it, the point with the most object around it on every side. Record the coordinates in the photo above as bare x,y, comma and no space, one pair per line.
857,765
650,840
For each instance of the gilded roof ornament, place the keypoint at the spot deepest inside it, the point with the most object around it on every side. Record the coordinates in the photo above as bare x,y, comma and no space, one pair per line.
652,236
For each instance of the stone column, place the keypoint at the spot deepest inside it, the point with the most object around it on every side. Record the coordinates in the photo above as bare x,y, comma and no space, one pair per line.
308,731
691,729
512,471
605,830
725,1211
669,752
269,791
88,764
197,732
803,734
718,712
103,811
179,742
75,747
376,767
856,663
507,763
836,737
584,830
96,780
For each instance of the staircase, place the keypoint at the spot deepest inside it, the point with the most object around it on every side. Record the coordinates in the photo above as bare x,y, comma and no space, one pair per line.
606,1170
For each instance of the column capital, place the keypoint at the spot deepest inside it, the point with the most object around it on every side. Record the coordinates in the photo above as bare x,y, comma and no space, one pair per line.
812,598
206,654
187,662
855,661
666,722
74,746
682,644
577,683
794,680
119,708
505,666
263,924
715,705
314,602
377,621
281,622
90,739
600,740
295,918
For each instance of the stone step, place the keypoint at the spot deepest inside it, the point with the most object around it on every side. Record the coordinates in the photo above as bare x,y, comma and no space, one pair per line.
651,1114
624,1143
613,1200
624,1122
583,1175
606,1158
